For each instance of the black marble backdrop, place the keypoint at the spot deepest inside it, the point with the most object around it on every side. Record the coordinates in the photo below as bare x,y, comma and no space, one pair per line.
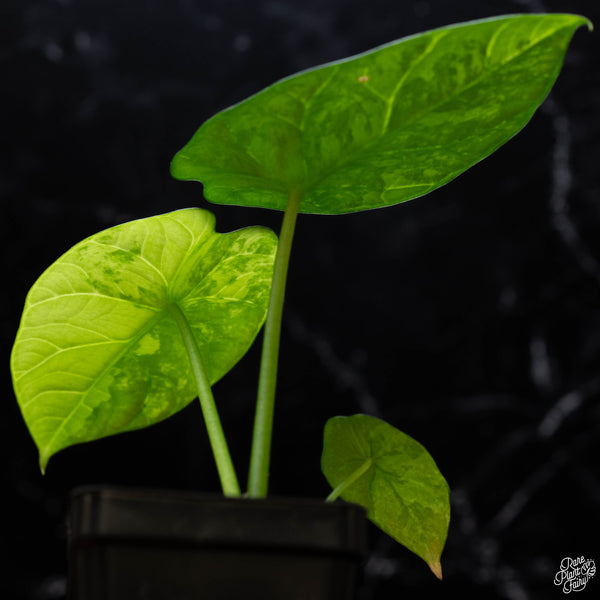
469,319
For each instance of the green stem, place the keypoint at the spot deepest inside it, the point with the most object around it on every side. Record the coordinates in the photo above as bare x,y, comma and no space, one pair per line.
258,476
342,487
227,475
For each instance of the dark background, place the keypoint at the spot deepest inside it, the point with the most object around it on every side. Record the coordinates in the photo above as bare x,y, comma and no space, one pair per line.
469,319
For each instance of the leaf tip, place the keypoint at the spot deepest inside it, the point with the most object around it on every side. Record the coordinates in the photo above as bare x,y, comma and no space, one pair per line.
44,458
436,569
585,21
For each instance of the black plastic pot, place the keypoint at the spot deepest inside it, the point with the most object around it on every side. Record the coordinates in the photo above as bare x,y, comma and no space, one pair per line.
164,545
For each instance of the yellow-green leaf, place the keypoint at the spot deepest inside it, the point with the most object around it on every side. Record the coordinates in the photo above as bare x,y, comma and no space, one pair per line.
371,463
382,127
98,351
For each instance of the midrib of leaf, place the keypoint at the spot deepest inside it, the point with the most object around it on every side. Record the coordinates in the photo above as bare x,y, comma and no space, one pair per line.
431,555
353,157
401,500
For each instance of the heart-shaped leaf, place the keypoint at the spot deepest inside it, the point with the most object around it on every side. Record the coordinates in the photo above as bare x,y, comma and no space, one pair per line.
371,463
385,126
99,352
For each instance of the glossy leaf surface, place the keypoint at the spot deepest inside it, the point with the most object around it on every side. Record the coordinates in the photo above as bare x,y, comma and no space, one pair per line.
98,351
394,478
385,126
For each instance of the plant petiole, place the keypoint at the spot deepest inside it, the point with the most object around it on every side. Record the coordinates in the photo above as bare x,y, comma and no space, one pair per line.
342,487
258,475
227,475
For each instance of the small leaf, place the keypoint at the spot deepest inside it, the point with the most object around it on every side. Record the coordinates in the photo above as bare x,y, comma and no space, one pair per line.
98,351
382,127
371,463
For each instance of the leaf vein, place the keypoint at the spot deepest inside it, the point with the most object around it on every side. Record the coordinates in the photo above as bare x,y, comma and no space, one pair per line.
97,294
492,40
392,99
140,256
62,351
142,331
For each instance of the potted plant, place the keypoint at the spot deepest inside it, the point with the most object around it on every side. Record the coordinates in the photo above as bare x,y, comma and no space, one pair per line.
134,322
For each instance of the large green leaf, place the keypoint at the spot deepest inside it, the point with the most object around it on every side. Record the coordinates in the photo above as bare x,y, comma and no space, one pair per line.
382,127
98,351
371,463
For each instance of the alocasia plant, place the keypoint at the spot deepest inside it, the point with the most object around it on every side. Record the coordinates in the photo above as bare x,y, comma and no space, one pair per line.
131,324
